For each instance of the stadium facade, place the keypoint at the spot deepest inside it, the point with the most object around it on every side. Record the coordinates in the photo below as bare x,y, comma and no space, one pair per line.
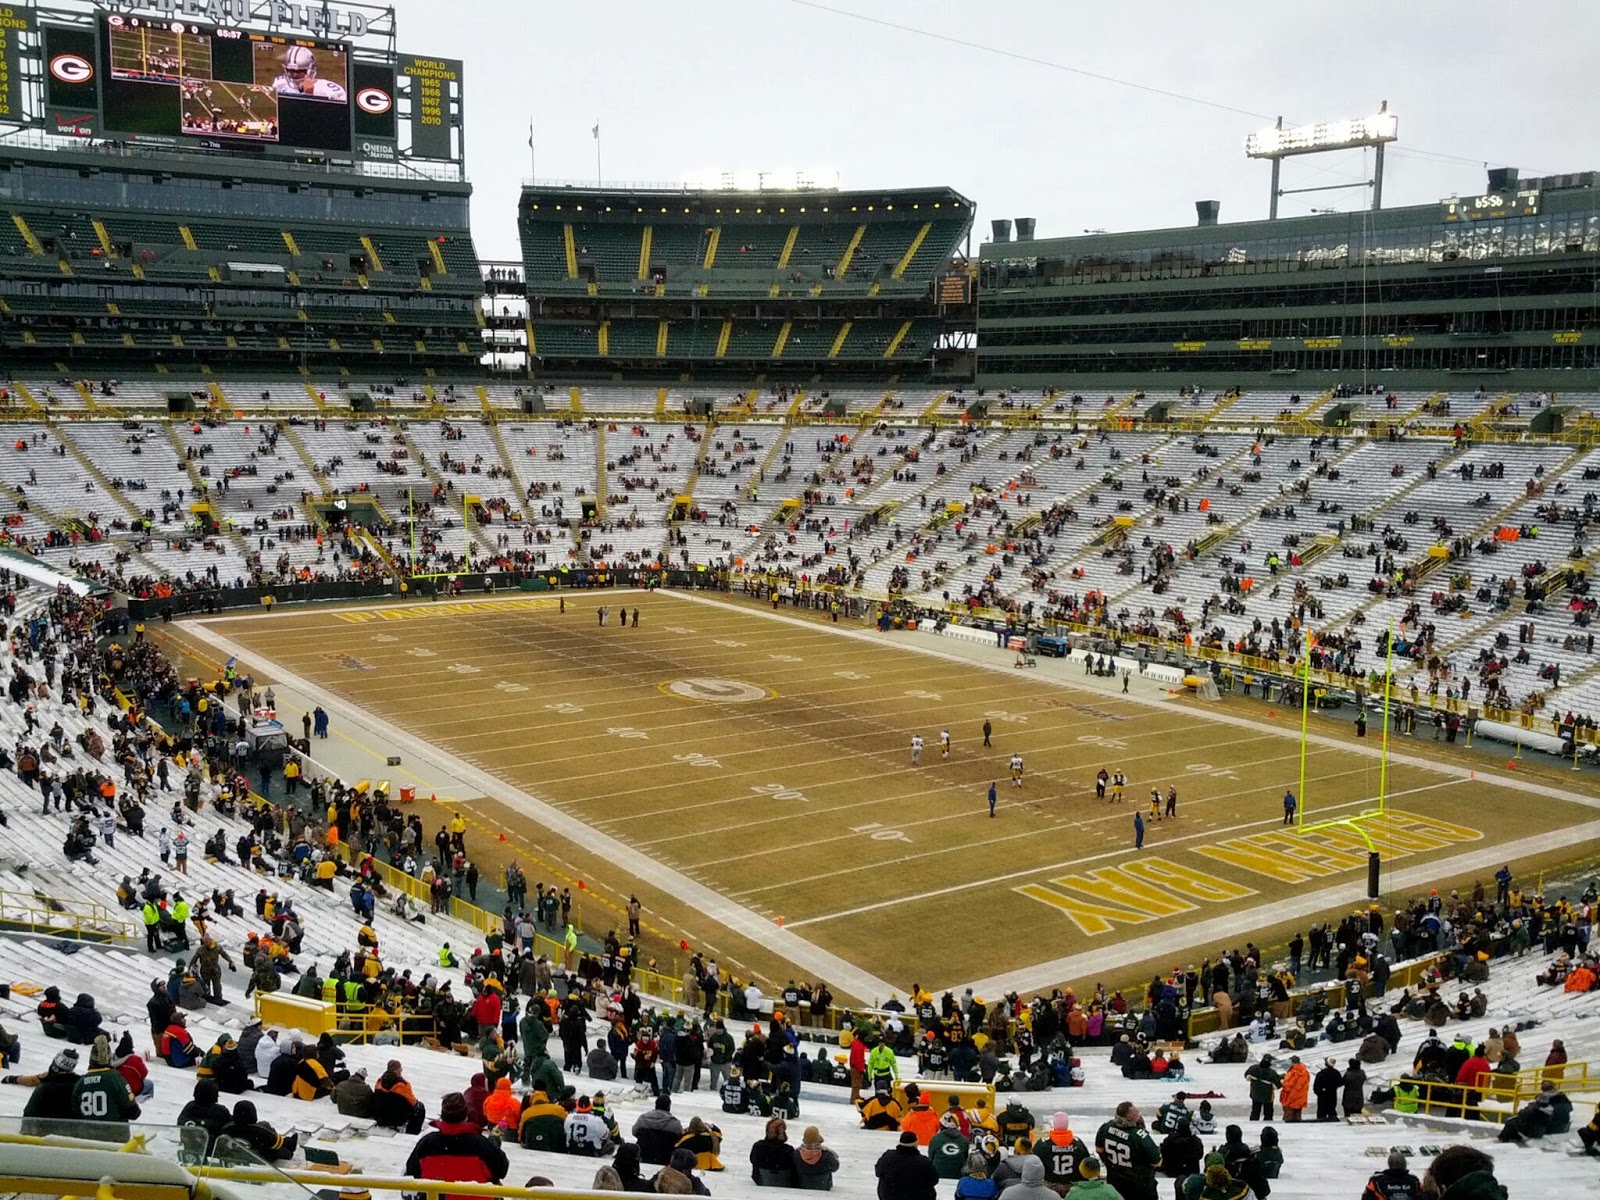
115,259
1495,291
806,285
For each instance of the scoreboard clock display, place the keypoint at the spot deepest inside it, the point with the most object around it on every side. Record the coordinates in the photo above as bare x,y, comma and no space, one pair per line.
1493,206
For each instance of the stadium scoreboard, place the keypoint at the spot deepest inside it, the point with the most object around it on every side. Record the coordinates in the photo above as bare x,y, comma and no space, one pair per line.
1492,207
247,77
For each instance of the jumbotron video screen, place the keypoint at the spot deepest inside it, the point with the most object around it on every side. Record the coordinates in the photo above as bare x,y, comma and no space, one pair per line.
184,81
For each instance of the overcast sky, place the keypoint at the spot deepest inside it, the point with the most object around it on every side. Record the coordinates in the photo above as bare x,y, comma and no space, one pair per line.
684,85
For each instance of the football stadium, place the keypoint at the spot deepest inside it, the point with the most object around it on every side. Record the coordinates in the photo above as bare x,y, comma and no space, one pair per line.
952,706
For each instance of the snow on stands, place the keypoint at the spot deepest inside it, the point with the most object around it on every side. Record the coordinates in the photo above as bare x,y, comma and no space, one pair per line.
1321,1160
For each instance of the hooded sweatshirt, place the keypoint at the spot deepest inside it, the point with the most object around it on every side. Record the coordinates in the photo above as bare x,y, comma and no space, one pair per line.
502,1108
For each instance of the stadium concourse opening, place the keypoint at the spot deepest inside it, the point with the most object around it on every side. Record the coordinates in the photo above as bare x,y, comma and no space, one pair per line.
767,756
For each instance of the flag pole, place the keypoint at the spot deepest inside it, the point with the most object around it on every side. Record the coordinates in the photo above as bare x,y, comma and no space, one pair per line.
1305,718
533,155
1383,760
598,178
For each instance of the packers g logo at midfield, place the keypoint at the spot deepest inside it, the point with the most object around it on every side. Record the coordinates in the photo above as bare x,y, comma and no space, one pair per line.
716,691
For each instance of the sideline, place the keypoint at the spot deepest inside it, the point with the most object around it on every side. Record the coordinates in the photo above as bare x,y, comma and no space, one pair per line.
812,959
1182,940
1513,782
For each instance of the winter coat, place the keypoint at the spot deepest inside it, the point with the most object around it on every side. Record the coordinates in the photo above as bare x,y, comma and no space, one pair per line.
1354,1081
353,1098
1296,1088
502,1107
657,1133
1263,1079
905,1174
475,1093
456,1151
1480,1185
814,1166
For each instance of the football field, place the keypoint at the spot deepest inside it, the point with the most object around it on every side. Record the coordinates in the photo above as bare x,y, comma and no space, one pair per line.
749,775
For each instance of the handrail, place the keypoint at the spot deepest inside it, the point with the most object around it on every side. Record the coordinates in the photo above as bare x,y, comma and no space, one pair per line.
46,914
431,1188
1451,1098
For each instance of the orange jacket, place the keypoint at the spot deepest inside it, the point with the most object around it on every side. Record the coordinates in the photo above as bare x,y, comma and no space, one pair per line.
1296,1086
502,1108
922,1121
400,1087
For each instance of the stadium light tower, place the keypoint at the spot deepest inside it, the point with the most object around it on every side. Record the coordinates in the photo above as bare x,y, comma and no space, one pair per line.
1278,142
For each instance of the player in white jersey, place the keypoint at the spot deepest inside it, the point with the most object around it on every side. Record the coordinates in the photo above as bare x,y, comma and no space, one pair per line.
916,749
1016,770
298,77
944,743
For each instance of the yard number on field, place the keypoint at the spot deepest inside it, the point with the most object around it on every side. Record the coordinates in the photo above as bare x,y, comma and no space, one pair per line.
921,694
785,658
851,675
422,652
1000,714
776,791
1208,769
682,630
626,731
730,643
696,759
566,710
509,688
1105,743
878,833
464,668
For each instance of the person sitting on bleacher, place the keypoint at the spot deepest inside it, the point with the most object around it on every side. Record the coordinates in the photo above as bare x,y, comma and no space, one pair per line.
657,1131
352,1097
52,1015
311,1080
734,1094
394,1105
881,1111
259,1138
204,1112
1549,1112
772,1158
704,1141
584,1131
51,1100
175,1047
225,1064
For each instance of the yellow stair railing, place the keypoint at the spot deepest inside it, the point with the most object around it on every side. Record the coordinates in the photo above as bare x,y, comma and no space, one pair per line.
85,919
645,241
570,245
849,252
28,236
911,252
788,247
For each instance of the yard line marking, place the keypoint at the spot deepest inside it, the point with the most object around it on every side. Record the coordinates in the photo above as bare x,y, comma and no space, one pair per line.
1438,766
813,959
1121,852
1124,952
